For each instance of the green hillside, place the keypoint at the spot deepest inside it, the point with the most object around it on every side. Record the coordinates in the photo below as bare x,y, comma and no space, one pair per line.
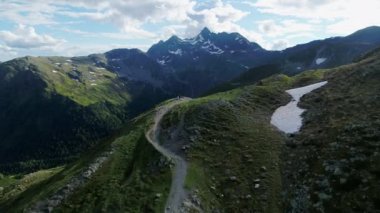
339,143
53,108
237,161
134,178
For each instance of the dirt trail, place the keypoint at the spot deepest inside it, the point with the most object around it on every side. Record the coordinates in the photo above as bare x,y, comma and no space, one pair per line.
177,193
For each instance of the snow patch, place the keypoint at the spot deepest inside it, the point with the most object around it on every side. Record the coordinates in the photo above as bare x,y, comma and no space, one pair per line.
211,48
288,118
195,40
218,52
200,38
162,62
176,52
319,61
246,67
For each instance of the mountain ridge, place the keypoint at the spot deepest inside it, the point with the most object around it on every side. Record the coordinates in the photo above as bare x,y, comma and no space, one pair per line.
103,91
237,161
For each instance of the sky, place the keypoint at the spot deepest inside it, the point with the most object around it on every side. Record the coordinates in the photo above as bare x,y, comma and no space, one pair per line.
82,27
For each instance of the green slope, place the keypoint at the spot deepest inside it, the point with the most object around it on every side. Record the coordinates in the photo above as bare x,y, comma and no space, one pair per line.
339,143
53,108
135,178
231,145
332,165
238,162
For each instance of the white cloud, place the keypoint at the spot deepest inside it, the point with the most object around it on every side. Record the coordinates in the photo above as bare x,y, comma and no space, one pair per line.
274,29
249,3
279,45
289,21
109,35
314,9
218,16
34,12
344,16
25,37
5,50
129,15
6,53
184,17
278,34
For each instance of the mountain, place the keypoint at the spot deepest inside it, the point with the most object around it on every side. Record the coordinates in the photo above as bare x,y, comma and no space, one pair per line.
61,106
320,54
239,162
133,64
208,59
330,52
53,108
236,160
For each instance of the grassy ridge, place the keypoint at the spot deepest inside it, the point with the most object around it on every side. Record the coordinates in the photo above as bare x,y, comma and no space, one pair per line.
134,179
54,108
339,143
80,81
238,162
233,151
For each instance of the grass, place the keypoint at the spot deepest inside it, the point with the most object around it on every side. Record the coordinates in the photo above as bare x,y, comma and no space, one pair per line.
132,180
51,116
228,129
341,129
93,85
233,148
14,185
48,186
232,144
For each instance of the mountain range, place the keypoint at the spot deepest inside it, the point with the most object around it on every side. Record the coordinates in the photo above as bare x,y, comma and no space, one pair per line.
65,105
193,66
106,131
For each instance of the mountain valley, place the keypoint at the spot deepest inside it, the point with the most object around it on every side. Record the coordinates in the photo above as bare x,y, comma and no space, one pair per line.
78,134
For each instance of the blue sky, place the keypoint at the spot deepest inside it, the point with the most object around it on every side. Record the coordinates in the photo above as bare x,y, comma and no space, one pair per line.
82,27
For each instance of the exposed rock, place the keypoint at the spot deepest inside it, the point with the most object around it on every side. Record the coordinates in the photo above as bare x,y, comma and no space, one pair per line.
324,196
58,197
233,178
337,171
158,195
